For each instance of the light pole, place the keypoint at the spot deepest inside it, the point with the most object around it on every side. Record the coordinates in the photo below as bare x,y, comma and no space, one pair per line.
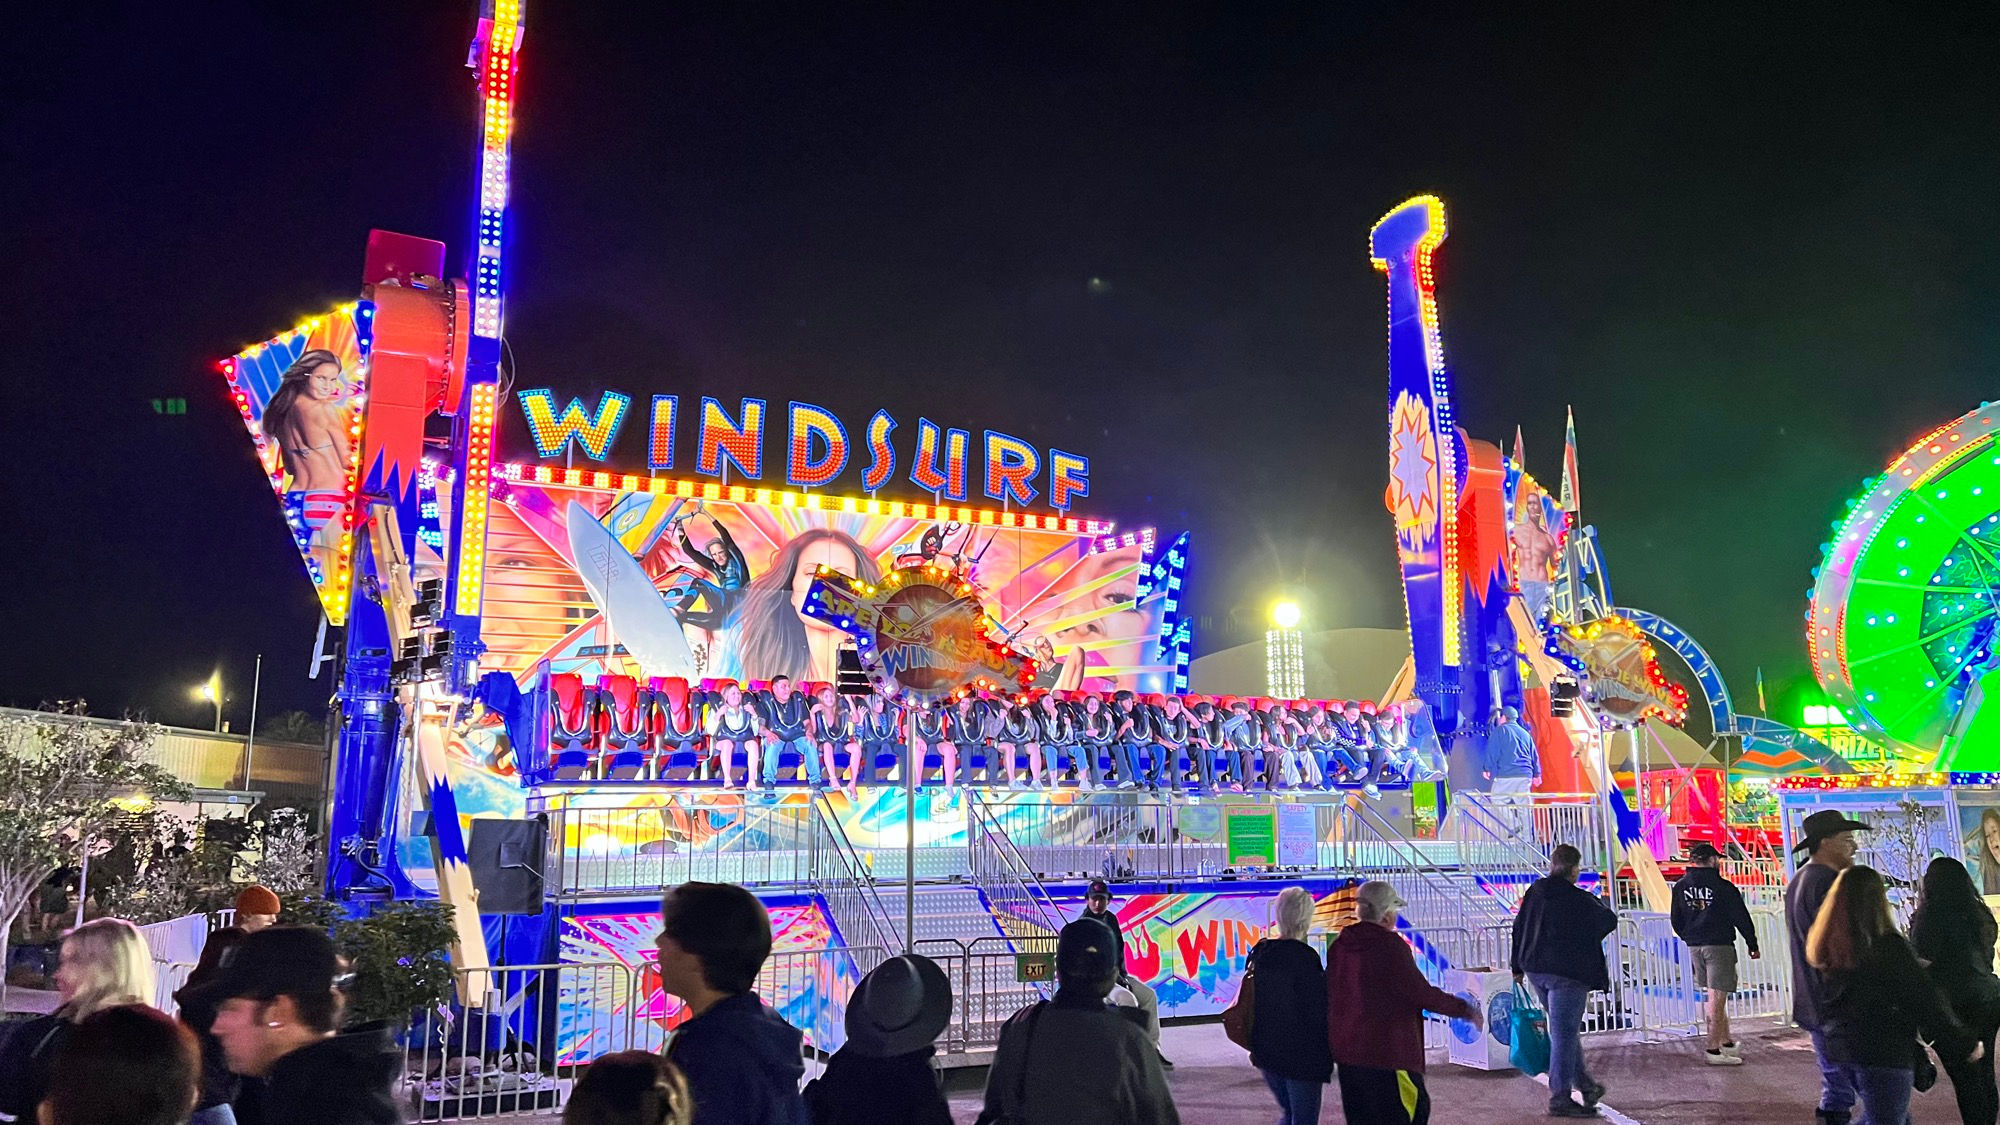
250,740
211,690
1285,653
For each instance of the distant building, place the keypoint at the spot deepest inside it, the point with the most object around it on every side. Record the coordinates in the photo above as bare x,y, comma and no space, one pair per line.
282,773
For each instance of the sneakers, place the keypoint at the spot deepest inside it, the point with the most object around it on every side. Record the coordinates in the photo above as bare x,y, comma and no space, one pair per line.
1567,1108
1721,1058
1165,1062
1593,1095
1732,1048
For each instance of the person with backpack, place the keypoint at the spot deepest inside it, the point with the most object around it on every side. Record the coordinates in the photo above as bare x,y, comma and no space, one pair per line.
1708,913
1075,1059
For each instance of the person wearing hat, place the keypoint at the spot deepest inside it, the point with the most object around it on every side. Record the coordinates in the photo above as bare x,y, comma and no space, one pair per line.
1073,1059
882,1075
277,1013
256,907
1375,1003
1827,839
1708,913
1097,906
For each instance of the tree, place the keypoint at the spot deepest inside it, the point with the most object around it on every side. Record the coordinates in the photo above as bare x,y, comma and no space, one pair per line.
62,780
295,726
288,853
397,951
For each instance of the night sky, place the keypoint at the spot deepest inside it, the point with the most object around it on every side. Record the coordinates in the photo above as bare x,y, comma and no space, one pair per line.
1755,252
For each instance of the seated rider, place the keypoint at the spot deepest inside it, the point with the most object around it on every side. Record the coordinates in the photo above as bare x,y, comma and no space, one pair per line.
1055,729
785,729
833,733
1134,730
1243,731
1172,728
1094,733
880,730
732,726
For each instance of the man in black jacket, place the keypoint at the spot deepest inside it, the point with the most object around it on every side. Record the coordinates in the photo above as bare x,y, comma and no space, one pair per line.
1559,936
1708,913
276,1014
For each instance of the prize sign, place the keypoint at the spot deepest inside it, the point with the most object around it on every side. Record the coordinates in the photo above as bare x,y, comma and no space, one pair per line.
921,632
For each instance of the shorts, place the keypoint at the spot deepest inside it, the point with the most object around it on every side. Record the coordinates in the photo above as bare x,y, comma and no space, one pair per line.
1714,966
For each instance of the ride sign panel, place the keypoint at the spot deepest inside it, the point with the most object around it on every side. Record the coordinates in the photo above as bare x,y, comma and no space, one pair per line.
921,632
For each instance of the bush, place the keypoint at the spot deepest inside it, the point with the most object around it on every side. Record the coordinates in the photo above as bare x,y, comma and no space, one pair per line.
398,952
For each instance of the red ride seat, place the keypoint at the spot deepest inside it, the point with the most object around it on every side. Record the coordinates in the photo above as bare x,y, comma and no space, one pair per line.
621,729
572,725
679,743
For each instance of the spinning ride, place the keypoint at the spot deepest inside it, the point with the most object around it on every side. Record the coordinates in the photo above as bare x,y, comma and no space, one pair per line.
1906,600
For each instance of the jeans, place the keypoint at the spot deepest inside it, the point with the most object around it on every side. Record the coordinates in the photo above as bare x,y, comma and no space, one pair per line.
1127,759
1564,1000
1836,1087
776,744
1166,765
1298,1098
1884,1090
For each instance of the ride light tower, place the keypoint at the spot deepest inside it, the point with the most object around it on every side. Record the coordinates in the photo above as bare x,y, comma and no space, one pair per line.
1285,653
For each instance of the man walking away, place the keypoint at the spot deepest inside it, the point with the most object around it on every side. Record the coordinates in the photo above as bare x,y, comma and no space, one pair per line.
1827,839
1097,905
741,1059
1708,913
1074,1060
1375,1003
1559,947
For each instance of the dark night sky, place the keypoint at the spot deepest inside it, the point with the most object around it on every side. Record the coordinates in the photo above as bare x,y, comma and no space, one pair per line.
1756,252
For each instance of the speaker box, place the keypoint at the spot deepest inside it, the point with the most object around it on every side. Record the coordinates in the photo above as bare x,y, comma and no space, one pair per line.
506,857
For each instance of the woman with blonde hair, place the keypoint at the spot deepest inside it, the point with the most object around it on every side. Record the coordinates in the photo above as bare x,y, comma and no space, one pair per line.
105,964
1288,1043
1876,999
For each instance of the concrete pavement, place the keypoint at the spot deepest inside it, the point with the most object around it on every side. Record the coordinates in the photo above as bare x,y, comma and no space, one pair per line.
1662,1083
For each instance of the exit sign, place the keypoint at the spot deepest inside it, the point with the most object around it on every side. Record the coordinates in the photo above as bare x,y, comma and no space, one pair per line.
170,406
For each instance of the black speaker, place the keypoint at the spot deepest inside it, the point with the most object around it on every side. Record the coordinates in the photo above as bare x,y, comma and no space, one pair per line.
506,858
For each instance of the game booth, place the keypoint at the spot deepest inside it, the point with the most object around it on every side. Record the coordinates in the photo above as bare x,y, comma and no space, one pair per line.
595,641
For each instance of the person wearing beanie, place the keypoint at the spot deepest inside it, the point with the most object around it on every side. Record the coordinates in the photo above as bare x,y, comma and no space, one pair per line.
1074,1059
256,907
883,1075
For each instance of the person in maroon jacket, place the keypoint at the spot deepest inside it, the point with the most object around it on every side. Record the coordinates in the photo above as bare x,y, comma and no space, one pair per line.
1375,1003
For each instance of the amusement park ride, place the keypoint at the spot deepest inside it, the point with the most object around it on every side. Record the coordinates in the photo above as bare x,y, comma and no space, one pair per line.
525,640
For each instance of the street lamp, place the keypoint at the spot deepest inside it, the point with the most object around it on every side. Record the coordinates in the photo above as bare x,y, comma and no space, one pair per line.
211,690
1285,653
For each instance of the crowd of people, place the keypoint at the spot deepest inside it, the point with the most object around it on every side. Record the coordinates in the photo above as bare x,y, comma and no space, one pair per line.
749,736
258,1038
1872,998
259,1035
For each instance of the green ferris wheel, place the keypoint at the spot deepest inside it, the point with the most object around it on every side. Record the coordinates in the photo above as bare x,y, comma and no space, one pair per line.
1906,600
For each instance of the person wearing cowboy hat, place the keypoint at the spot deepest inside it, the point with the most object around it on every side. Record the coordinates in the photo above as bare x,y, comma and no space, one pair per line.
1827,839
883,1074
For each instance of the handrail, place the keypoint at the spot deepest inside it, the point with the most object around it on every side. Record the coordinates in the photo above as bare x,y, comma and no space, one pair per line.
1416,867
1003,874
837,867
